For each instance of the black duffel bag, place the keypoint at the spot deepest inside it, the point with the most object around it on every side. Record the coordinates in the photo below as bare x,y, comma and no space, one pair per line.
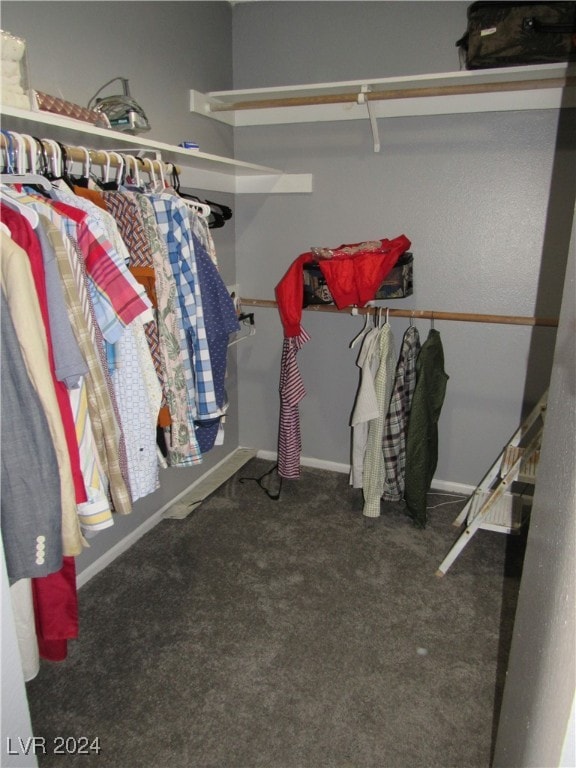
507,34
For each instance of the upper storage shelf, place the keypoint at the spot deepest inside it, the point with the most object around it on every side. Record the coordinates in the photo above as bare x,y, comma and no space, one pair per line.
545,86
198,170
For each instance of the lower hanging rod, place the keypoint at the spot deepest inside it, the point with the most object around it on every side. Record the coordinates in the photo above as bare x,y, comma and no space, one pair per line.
426,314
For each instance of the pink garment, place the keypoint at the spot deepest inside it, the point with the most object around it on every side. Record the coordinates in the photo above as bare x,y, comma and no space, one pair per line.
56,610
291,393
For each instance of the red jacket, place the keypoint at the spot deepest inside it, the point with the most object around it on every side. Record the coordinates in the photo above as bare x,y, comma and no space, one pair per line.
353,274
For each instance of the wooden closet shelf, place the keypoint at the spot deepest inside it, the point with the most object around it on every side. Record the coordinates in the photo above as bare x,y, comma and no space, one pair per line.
426,314
541,86
414,92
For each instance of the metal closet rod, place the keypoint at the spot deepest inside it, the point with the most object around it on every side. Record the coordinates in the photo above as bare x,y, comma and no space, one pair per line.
426,314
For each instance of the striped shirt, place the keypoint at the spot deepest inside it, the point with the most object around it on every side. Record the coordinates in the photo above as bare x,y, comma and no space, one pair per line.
291,393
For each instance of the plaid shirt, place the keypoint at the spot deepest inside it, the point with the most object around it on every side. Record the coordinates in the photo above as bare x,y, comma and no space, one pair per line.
173,222
116,296
396,426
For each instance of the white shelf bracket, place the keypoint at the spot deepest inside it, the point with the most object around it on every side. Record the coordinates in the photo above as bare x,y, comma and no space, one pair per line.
361,99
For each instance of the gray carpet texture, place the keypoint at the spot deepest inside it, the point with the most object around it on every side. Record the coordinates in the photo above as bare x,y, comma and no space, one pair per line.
260,633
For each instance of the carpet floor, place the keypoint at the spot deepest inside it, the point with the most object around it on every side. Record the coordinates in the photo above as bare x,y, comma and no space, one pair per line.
287,633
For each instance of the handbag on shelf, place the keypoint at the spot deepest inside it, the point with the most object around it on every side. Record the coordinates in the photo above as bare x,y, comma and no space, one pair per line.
398,284
507,34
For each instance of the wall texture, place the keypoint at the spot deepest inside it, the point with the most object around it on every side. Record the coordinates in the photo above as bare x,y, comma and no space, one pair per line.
538,704
470,191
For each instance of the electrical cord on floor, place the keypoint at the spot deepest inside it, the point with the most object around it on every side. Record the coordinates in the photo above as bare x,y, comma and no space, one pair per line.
457,499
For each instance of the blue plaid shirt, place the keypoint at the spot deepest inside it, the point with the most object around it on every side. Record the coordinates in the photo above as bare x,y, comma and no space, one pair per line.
173,222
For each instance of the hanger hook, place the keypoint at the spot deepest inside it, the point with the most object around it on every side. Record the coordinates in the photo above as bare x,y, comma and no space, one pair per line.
120,165
432,321
86,164
152,172
136,172
9,151
55,157
20,153
32,152
106,166
162,179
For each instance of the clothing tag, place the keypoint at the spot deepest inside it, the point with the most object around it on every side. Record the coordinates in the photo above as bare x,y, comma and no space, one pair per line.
488,31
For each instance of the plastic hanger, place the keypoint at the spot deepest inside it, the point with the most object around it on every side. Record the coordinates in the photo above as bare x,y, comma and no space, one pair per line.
136,178
151,173
162,179
28,213
202,209
32,147
33,179
8,150
251,332
20,164
120,163
368,326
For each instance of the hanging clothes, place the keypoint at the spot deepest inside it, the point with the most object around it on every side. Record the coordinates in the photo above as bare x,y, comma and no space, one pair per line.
366,405
181,444
73,241
396,425
90,368
127,216
172,219
29,321
373,475
221,320
292,391
422,440
30,498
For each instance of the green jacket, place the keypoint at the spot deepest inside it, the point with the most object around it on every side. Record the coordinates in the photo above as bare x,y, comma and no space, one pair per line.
422,440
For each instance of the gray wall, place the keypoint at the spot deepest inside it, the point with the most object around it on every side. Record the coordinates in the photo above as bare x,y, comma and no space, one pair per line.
163,48
537,710
470,191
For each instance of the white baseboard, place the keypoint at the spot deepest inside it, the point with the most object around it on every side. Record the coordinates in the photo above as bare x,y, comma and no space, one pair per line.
120,547
333,466
449,487
307,461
